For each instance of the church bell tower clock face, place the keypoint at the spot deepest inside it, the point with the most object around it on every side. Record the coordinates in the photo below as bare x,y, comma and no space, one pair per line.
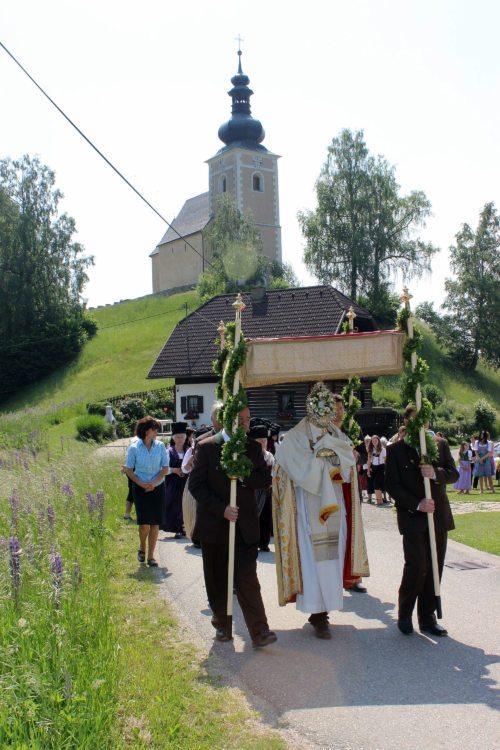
245,168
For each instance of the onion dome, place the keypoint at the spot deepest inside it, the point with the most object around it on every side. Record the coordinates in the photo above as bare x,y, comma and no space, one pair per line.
242,129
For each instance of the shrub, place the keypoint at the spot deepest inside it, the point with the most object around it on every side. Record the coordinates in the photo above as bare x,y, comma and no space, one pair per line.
434,394
93,427
132,409
484,415
89,325
99,407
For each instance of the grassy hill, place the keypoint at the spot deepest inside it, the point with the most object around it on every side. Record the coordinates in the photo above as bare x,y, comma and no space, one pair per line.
116,361
118,358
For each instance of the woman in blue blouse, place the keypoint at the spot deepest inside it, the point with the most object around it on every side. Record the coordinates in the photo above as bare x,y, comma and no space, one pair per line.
146,466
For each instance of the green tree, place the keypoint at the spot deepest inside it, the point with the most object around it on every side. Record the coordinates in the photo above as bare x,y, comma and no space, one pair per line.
484,415
238,262
363,230
471,327
42,274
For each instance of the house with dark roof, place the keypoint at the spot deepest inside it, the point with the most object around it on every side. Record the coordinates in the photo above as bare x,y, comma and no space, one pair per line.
190,350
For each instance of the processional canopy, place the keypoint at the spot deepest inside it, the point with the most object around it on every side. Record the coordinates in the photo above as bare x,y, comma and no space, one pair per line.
271,361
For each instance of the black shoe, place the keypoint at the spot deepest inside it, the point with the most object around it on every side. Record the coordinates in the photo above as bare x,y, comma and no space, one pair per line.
222,636
321,627
358,587
264,549
434,629
264,639
141,556
152,563
322,631
405,626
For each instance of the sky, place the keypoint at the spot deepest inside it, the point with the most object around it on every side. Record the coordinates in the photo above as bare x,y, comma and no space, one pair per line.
148,83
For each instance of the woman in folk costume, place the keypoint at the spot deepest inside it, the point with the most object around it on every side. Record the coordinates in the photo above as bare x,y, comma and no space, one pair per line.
463,484
175,481
318,531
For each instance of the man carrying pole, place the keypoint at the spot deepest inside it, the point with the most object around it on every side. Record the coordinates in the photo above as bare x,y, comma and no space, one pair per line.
227,522
418,487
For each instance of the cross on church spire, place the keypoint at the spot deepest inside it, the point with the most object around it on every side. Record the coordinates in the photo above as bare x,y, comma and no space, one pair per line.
239,40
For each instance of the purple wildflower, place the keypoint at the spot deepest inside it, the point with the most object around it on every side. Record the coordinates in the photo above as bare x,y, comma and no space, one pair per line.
91,504
15,562
99,498
27,510
51,517
57,570
41,523
68,490
26,465
14,507
1,462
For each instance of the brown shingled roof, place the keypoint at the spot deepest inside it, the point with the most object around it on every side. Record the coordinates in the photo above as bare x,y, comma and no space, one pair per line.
193,217
305,311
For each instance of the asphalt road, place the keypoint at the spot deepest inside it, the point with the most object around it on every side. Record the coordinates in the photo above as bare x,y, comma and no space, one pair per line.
370,687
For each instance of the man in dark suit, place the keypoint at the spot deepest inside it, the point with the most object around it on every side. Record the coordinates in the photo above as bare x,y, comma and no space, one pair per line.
404,481
210,486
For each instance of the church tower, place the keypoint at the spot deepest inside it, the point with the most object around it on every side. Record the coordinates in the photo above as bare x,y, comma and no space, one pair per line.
242,167
245,168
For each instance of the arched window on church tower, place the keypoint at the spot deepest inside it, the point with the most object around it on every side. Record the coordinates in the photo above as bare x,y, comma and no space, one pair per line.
257,182
223,184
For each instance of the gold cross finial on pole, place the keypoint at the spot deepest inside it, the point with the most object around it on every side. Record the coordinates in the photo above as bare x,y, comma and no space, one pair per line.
406,297
350,316
221,330
238,304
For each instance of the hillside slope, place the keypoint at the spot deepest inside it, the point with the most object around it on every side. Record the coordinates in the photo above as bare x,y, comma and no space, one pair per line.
463,389
117,359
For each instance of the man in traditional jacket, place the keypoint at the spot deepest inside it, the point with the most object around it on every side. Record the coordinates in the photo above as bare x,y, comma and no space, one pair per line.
315,540
210,486
404,480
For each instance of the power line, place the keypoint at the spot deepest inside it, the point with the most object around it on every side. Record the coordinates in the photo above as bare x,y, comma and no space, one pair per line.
80,132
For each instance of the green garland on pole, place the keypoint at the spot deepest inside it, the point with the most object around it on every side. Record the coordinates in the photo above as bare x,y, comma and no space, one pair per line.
352,431
234,460
412,379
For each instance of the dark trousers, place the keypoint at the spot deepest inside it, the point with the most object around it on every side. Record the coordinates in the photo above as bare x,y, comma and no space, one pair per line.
417,584
246,583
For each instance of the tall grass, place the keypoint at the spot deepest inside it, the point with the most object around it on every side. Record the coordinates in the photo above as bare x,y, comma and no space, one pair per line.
58,659
91,658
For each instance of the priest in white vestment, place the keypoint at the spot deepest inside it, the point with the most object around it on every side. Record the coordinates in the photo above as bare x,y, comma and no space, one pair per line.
316,540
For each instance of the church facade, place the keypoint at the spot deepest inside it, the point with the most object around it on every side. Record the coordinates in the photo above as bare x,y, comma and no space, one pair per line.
245,169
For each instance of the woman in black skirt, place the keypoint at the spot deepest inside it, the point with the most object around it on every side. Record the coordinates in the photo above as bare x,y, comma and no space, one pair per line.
376,467
146,466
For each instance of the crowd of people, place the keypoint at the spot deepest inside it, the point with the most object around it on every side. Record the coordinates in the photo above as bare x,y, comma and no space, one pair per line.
476,464
311,485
